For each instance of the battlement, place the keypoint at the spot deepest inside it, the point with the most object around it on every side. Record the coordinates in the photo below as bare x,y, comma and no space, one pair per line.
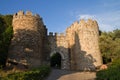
27,21
83,21
83,25
28,14
56,34
88,22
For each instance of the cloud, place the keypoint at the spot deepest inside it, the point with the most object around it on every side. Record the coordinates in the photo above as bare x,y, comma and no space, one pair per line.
85,16
105,27
106,21
109,21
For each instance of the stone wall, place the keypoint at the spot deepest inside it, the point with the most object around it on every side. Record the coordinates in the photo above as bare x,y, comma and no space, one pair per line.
79,45
59,44
27,43
83,42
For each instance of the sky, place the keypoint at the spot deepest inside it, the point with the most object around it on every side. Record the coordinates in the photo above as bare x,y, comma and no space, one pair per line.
59,14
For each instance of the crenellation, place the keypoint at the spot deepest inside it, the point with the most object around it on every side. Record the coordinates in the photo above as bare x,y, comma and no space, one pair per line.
20,13
56,34
82,21
28,13
75,23
37,16
50,34
62,34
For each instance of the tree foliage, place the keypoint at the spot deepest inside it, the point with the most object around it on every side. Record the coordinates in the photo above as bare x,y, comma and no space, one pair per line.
110,49
110,45
6,32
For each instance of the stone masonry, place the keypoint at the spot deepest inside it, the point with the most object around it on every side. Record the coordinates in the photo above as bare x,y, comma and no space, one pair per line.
31,46
27,43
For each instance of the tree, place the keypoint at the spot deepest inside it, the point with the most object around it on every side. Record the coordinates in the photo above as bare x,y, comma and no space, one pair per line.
5,36
109,45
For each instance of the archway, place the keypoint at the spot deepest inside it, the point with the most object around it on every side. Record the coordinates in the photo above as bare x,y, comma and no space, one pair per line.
55,60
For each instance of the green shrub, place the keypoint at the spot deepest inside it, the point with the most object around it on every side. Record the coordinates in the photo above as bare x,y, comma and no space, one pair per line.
112,73
34,74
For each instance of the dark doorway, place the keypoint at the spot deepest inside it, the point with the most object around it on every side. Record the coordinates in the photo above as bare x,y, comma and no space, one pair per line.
55,60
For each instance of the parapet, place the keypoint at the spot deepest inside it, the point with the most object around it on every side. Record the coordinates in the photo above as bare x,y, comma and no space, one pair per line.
50,33
28,14
20,13
86,23
56,34
62,34
28,21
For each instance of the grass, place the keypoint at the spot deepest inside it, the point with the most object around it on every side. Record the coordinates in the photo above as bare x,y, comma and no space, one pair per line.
112,73
34,74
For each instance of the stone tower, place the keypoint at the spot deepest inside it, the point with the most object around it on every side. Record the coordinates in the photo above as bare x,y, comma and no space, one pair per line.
27,43
83,43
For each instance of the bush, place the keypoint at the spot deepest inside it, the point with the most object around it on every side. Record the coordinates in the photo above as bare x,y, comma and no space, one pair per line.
34,74
112,73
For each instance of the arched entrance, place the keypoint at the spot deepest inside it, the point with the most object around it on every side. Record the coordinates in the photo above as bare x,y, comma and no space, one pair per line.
61,60
55,60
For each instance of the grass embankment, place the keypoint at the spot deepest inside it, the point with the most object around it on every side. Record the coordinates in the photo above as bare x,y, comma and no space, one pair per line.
35,74
112,73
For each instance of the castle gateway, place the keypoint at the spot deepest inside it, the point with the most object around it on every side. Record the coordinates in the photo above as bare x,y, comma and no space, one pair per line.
76,49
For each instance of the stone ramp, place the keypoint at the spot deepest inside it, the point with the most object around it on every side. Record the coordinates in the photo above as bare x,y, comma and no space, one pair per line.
57,74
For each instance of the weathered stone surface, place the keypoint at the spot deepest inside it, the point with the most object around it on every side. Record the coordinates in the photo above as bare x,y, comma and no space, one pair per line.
27,43
83,40
79,46
31,45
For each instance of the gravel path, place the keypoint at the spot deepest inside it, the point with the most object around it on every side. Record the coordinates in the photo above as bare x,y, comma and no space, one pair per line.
57,74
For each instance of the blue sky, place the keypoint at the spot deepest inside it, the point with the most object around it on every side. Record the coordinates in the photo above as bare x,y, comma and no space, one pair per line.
60,14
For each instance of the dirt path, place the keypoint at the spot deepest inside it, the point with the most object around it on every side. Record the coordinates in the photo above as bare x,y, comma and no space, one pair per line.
57,74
